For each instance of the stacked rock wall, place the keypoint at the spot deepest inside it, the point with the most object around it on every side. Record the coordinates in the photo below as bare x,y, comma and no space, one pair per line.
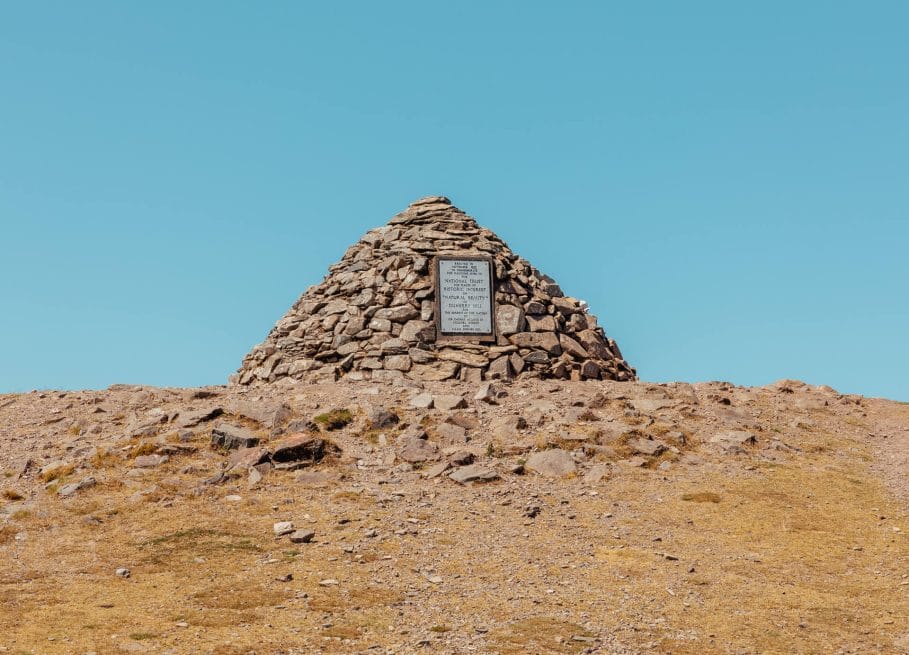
373,316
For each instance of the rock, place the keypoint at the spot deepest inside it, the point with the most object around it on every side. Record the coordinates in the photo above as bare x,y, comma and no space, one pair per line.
231,437
400,314
382,418
572,347
546,341
393,347
149,461
464,419
398,363
244,458
267,414
509,319
421,401
552,463
449,402
434,372
122,572
537,357
436,470
282,528
416,450
500,369
489,393
597,473
647,447
69,489
192,419
302,536
650,405
541,324
420,356
505,428
594,344
461,458
450,433
418,331
590,370
301,448
315,479
473,473
733,441
471,376
380,325
463,357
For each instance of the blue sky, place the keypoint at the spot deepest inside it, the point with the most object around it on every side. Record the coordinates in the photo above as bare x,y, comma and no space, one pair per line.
726,185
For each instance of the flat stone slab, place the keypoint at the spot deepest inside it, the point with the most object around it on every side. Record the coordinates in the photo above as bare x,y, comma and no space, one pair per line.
232,437
449,402
415,450
149,461
473,473
646,447
733,441
245,458
421,401
267,414
553,463
192,419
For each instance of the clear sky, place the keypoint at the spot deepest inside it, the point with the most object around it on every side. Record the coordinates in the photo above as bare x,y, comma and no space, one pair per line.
727,184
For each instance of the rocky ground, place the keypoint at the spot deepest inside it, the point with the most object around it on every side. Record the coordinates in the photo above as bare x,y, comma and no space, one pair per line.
400,517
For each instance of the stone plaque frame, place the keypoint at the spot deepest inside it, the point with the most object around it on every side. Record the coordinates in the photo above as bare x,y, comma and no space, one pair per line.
472,337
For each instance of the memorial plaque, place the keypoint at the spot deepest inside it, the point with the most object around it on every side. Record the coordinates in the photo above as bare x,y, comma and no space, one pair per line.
464,297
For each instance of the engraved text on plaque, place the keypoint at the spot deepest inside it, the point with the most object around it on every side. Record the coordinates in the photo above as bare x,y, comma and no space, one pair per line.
464,296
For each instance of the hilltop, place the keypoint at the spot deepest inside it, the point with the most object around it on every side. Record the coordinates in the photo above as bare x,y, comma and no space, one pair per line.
531,516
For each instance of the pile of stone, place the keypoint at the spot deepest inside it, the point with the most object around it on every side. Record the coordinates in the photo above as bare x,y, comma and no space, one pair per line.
373,316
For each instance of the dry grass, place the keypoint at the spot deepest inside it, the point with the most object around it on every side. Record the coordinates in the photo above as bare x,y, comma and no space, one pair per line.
57,473
103,458
760,552
143,448
12,494
238,595
334,600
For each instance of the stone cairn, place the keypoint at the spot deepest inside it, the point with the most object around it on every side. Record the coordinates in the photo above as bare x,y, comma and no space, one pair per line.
372,317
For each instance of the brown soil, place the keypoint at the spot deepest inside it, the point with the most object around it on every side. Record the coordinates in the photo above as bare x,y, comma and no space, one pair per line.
795,544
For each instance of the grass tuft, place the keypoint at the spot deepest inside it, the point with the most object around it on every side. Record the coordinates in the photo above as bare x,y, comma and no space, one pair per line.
335,419
57,473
